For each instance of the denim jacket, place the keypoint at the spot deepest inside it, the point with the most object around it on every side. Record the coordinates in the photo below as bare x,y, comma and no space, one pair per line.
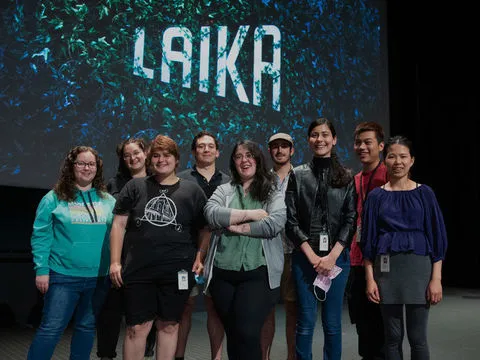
269,229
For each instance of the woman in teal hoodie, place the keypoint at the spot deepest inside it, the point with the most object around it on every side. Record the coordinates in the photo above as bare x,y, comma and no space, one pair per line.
70,246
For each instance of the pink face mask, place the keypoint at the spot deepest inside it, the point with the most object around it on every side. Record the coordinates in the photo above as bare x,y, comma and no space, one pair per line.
324,282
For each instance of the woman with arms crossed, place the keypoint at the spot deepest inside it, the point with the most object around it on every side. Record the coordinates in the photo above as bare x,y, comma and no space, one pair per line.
245,262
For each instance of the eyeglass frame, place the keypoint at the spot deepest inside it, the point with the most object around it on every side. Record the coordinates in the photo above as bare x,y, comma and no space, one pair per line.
240,157
83,164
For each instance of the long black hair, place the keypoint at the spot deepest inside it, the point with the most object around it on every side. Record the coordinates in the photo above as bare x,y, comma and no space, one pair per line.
340,175
262,184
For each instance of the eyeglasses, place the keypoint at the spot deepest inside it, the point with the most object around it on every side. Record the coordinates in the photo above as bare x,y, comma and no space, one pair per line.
128,156
83,165
279,146
240,157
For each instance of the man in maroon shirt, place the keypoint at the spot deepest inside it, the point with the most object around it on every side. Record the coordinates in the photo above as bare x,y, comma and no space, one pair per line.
368,145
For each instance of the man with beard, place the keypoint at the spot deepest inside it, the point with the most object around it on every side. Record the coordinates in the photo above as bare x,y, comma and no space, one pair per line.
204,173
280,147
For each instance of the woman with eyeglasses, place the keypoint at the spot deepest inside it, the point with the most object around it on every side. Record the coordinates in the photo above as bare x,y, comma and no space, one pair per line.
70,246
321,221
132,156
245,260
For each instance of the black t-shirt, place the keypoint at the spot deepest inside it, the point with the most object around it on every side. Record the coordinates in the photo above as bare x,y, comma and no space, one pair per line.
163,225
116,184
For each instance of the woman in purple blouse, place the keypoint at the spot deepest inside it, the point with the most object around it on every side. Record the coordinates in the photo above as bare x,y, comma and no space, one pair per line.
404,243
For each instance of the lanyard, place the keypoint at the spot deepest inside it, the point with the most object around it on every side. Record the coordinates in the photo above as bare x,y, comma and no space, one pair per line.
368,185
94,216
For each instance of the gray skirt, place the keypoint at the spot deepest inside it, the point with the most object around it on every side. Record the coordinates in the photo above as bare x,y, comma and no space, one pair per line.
407,280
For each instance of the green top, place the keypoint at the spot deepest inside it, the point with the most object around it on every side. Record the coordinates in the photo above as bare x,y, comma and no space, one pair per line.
235,250
72,238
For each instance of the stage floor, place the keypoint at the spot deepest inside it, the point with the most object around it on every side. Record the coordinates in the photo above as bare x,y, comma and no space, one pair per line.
454,333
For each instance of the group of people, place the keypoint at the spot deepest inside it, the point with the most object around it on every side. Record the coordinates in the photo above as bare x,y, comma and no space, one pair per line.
146,244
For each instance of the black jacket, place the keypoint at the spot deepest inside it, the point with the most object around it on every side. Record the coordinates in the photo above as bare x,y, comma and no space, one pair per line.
313,206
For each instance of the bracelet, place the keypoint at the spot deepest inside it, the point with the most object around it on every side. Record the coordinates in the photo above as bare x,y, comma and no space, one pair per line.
202,250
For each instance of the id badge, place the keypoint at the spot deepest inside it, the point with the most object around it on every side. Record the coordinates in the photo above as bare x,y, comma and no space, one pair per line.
384,263
359,233
182,280
323,241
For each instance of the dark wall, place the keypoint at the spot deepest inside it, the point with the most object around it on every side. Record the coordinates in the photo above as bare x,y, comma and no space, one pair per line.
16,218
433,93
20,302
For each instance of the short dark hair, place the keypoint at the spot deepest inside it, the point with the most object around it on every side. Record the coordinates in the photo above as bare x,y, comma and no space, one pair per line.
400,140
370,126
202,134
163,143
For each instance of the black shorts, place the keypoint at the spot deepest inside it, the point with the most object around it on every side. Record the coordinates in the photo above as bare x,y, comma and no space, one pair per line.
147,300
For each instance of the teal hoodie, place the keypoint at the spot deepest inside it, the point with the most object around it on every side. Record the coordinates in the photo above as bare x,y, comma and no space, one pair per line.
67,241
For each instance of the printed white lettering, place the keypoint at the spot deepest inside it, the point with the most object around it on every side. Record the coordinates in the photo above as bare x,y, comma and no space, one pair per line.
226,60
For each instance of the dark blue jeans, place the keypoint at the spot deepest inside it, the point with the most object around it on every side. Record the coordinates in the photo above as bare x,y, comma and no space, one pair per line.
307,305
67,297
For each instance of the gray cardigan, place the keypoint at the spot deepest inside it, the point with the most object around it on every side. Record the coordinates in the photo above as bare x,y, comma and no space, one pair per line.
269,230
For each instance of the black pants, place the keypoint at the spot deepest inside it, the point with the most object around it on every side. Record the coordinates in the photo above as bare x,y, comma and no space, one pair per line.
243,299
109,322
416,317
366,316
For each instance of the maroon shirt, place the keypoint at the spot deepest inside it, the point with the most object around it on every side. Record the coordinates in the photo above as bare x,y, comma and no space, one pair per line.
368,184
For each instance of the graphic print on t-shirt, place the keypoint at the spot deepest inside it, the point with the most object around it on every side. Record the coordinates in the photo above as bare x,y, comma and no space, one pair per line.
161,211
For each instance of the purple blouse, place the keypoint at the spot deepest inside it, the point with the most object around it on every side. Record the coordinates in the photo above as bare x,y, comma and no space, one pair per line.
403,221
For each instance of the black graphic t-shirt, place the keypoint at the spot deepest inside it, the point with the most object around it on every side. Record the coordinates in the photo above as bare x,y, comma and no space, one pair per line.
163,225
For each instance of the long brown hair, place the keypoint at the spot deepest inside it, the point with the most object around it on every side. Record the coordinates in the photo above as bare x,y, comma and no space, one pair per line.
262,185
122,170
65,187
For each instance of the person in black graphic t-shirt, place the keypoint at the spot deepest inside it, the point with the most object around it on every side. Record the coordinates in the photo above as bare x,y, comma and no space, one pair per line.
132,156
160,228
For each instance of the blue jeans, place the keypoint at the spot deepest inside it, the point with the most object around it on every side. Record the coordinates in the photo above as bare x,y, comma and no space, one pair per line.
304,275
69,296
